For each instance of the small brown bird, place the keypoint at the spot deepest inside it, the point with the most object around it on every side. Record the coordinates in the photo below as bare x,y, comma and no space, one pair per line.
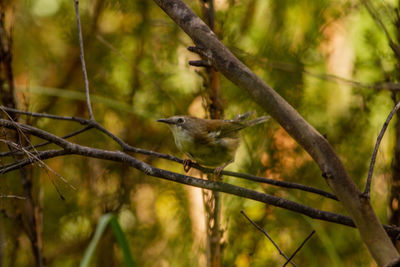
209,142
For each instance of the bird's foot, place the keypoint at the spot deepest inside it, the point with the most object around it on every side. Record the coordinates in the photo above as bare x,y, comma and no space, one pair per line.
186,165
217,172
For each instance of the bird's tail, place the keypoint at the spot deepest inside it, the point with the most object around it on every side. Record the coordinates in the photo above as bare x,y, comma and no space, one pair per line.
242,117
257,121
241,120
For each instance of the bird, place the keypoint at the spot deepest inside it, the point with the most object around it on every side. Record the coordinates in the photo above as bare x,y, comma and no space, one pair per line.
209,142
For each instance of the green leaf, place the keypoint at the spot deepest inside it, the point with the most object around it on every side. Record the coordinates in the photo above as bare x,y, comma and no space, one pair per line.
106,219
121,239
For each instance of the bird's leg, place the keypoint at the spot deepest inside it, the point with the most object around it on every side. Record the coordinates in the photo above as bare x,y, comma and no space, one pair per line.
186,164
219,169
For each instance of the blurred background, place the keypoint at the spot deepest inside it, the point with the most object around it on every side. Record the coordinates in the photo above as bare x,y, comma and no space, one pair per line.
326,58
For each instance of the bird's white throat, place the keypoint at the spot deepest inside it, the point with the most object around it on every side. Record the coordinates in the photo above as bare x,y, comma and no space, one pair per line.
183,139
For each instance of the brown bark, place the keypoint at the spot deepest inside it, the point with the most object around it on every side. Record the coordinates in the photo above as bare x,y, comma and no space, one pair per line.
212,199
32,217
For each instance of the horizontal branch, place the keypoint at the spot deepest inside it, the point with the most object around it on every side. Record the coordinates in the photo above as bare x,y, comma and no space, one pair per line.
42,155
45,115
30,147
128,148
118,156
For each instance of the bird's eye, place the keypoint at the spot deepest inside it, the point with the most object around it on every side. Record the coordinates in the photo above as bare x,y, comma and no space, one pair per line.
180,121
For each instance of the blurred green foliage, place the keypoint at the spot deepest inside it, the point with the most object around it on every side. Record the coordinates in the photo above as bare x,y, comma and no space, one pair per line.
108,220
138,71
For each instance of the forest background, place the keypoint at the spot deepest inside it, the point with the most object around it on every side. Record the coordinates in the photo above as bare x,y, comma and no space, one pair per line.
334,62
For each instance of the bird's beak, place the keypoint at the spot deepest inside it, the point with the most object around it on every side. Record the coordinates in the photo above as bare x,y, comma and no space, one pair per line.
168,121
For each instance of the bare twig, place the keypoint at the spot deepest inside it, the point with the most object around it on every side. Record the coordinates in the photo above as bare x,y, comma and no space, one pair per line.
45,115
390,86
290,67
5,154
24,162
200,63
267,235
273,182
82,56
13,196
374,14
111,47
298,249
367,189
34,158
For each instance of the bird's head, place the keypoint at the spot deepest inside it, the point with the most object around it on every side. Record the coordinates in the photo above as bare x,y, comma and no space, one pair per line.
181,126
178,121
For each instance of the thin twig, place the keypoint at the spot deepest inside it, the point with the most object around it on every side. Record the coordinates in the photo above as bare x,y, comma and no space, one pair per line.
284,184
367,189
34,158
267,235
5,154
13,196
41,155
45,115
289,67
82,56
298,249
390,86
111,47
374,14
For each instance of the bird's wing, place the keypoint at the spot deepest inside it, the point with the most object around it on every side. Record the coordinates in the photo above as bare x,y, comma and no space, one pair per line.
242,117
203,134
227,129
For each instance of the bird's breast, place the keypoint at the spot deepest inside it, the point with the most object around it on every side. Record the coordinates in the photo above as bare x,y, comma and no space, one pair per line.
210,151
183,140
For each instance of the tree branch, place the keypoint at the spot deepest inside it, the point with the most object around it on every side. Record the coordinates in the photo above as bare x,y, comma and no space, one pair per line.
267,235
128,148
371,10
82,56
360,209
15,152
298,249
42,155
290,67
367,189
69,148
